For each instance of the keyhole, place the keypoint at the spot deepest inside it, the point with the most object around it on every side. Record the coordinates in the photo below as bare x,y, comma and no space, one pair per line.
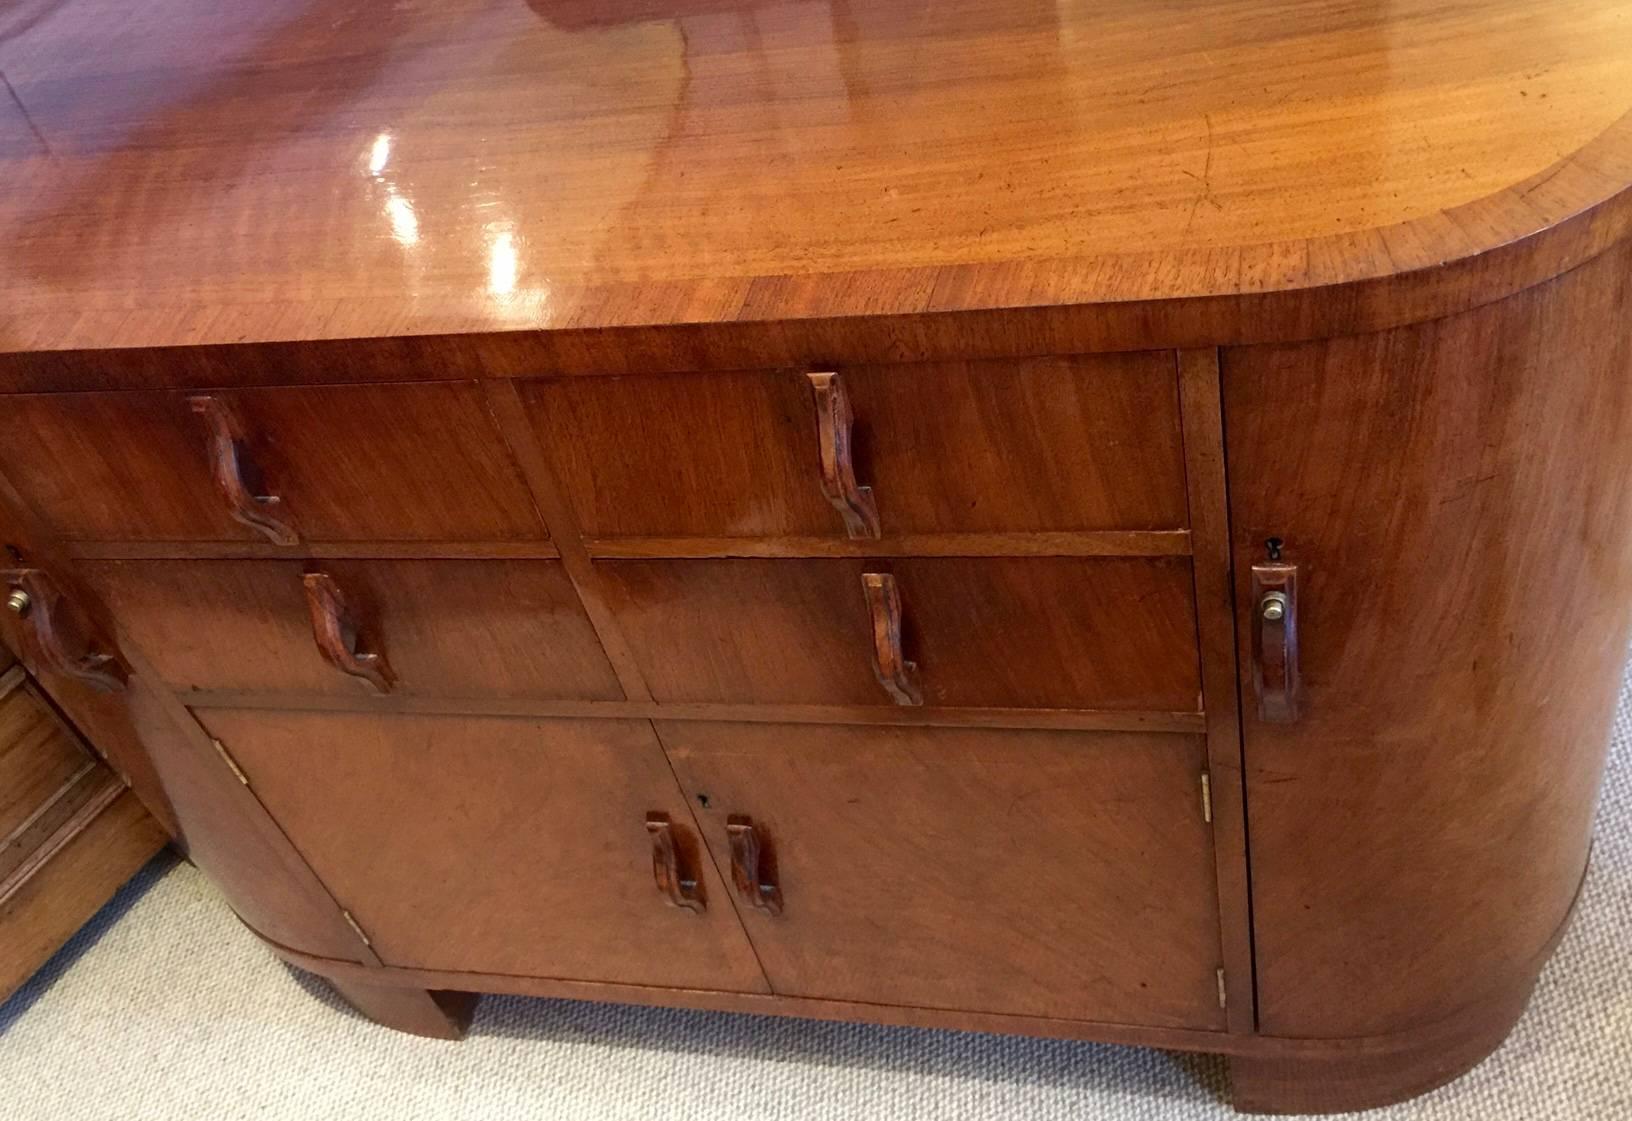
1274,546
702,800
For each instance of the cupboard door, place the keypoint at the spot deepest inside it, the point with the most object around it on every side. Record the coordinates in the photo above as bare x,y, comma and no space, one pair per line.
1033,873
1026,632
496,845
1455,496
451,628
420,462
1087,442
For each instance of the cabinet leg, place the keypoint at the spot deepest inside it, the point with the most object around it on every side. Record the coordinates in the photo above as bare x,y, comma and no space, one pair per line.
436,1015
1337,1076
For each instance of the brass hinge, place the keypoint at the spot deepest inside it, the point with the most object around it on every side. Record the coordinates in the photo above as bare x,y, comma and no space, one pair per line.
1206,797
351,922
1223,997
232,764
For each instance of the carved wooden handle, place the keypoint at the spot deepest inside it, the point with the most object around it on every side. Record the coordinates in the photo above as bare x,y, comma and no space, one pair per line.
336,634
679,889
755,883
1275,641
833,422
898,676
58,646
229,470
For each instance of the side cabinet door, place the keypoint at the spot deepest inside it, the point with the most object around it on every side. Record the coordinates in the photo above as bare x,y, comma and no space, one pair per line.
496,845
1455,498
1056,874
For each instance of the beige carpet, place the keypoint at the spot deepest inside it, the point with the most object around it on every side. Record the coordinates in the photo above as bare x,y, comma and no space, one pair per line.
165,1008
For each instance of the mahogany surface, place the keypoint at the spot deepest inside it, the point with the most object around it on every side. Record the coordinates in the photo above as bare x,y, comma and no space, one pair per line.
1088,443
71,831
1011,632
1492,453
1027,873
511,846
754,505
293,171
493,628
347,463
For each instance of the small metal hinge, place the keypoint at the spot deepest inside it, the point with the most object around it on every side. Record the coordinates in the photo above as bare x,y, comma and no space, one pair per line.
1223,997
351,922
1206,797
232,764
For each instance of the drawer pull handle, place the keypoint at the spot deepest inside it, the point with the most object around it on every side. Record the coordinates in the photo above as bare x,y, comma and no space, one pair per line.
1275,640
833,423
58,646
336,634
898,676
680,890
754,880
228,466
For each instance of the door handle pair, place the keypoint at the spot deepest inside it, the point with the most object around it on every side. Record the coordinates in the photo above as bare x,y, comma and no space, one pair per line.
752,873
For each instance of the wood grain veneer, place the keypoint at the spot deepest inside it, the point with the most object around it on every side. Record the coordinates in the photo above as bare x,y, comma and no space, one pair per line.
1024,873
513,845
489,628
374,463
809,460
1030,632
1478,646
1085,443
1269,146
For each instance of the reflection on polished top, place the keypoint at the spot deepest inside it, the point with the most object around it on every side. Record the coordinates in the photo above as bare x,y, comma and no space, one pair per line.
184,171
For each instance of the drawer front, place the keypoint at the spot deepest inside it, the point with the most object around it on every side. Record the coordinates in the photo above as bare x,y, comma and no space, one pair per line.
39,763
1032,632
499,846
451,628
1029,873
1058,444
346,463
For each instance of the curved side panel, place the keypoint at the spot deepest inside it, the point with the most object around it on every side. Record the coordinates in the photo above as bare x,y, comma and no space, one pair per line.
229,835
1457,497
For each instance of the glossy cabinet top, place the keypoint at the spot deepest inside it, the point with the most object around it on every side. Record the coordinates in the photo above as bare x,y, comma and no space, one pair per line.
194,171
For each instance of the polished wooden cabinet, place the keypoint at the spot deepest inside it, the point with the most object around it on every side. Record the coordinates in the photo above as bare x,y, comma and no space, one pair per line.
851,513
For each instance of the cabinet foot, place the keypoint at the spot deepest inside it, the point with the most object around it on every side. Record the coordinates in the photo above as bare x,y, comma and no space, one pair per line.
436,1015
1337,1076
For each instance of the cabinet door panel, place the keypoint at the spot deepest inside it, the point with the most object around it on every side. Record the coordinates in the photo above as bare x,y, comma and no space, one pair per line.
494,845
1030,873
1079,443
446,628
1042,632
1456,498
347,463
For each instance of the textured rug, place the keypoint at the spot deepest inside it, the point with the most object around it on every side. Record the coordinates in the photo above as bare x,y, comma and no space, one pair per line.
164,1008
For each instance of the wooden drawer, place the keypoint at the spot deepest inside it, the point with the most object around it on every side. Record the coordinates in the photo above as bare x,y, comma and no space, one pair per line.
70,831
347,463
1056,444
508,628
39,761
492,845
1029,873
1044,632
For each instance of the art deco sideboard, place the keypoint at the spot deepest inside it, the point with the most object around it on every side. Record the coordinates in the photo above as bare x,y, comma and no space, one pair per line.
1108,521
